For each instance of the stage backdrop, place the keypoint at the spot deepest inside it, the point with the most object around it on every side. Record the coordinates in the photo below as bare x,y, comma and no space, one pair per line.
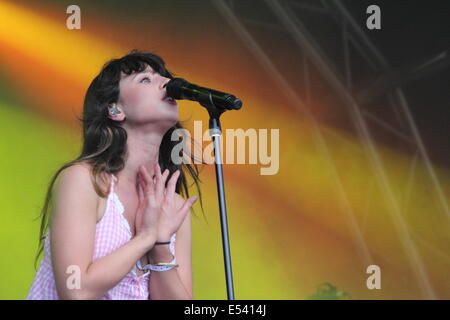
326,214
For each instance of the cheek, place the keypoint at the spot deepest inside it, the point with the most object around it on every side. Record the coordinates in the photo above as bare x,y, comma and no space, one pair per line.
137,101
142,102
132,98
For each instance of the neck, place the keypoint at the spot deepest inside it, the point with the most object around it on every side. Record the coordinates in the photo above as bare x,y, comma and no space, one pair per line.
142,149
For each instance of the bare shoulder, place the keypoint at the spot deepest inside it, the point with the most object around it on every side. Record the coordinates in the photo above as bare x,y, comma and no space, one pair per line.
75,180
76,174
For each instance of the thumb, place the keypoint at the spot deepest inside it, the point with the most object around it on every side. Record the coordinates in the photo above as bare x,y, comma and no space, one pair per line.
188,204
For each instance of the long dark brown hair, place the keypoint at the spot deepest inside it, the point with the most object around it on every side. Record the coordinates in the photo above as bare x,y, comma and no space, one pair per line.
104,140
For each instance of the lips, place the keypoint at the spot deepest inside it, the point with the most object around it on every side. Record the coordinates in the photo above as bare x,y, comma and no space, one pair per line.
170,100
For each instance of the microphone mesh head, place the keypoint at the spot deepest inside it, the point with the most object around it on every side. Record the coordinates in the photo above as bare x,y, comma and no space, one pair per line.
237,104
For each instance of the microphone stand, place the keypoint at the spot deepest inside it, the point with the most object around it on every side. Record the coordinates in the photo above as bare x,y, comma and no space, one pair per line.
215,132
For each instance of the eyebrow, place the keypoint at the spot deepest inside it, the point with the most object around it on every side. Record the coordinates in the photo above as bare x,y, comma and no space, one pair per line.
143,72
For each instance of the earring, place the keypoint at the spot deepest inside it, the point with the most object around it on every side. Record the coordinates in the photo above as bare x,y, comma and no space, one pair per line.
114,111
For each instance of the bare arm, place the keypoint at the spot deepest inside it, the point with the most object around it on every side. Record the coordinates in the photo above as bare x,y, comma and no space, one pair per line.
72,227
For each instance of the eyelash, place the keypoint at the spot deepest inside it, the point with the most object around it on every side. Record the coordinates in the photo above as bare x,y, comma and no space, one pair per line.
145,78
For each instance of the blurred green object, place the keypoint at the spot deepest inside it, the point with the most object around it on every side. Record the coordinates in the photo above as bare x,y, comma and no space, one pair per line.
326,291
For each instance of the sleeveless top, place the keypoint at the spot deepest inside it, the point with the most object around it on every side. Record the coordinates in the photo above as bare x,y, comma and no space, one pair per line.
112,232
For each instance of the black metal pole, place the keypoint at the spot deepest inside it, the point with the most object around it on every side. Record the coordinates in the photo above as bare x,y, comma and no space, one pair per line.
215,133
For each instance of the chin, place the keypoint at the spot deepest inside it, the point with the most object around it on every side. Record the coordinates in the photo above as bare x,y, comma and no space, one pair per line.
168,123
173,118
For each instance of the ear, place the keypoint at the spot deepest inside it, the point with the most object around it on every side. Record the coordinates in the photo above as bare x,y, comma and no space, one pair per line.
115,112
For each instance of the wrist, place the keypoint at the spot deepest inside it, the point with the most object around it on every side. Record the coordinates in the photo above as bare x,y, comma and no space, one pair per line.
164,238
160,253
147,239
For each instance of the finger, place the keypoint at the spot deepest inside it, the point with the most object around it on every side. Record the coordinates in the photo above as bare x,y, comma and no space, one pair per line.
159,182
141,201
171,185
164,179
150,184
141,178
142,182
145,175
150,192
187,206
141,194
139,191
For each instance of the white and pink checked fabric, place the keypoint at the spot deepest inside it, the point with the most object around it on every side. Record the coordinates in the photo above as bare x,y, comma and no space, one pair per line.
112,232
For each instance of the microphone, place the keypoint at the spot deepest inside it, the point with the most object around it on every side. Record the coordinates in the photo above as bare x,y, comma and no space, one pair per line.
180,89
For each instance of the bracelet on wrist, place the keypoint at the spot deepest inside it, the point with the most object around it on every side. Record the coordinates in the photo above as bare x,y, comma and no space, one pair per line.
166,242
172,238
160,266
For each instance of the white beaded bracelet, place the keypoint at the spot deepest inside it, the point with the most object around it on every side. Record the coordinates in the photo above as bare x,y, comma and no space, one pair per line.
161,266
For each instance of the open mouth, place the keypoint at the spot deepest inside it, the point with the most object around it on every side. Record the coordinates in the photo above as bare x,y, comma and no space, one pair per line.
170,99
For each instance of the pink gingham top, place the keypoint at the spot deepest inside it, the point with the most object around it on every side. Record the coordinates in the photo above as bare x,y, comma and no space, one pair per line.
112,232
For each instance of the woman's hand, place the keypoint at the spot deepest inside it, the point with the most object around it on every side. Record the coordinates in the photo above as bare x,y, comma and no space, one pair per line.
158,212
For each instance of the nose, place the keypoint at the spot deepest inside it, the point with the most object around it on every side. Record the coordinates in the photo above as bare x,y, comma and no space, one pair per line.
165,82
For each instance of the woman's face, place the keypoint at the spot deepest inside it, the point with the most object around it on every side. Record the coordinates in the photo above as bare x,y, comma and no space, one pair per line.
141,99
